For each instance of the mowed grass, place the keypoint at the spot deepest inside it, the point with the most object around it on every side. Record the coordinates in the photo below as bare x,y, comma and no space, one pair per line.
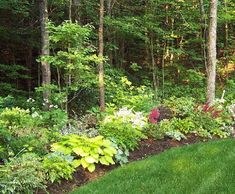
207,168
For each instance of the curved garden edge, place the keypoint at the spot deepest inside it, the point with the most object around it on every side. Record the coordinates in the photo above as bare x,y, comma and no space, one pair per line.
203,168
146,148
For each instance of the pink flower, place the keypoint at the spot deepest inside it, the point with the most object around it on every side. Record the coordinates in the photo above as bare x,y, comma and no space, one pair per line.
154,115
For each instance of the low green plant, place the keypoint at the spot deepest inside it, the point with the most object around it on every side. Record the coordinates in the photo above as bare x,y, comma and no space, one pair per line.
22,175
155,131
125,126
58,165
88,151
19,130
176,124
122,154
177,135
207,126
54,119
122,92
181,107
174,128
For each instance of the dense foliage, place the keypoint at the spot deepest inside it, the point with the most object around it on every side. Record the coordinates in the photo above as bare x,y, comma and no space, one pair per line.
155,80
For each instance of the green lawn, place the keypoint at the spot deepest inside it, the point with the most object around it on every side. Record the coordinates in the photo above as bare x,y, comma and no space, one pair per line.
207,168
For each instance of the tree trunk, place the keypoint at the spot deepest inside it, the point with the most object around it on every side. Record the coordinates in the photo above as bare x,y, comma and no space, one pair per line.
109,39
76,9
153,68
226,31
101,54
211,64
203,30
46,71
29,60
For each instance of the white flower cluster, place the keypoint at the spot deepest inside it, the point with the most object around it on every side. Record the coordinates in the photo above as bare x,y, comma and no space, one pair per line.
232,110
35,115
46,102
137,119
30,100
53,106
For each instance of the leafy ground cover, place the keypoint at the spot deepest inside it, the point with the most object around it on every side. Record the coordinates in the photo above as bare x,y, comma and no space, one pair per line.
80,150
200,168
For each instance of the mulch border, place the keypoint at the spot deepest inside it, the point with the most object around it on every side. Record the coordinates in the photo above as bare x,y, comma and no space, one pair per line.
146,148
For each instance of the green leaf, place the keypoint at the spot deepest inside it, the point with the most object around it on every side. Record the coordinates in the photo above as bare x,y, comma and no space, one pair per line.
80,152
84,163
104,161
76,163
91,168
109,159
90,159
60,148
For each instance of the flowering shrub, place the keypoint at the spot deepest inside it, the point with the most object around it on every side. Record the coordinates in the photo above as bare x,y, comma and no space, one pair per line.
137,119
212,110
125,126
154,116
232,110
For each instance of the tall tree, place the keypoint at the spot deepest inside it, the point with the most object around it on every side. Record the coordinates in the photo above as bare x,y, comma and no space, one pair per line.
203,30
211,63
101,54
46,71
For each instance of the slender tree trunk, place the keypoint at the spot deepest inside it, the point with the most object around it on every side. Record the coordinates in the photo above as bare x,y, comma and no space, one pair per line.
76,8
211,64
164,55
226,31
46,71
101,54
153,68
29,60
109,39
203,31
70,10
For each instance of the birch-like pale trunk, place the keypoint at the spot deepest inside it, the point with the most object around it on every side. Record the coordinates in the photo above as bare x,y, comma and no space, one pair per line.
45,67
211,58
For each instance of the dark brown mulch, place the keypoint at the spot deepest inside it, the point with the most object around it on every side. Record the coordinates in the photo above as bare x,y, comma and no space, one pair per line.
146,148
150,146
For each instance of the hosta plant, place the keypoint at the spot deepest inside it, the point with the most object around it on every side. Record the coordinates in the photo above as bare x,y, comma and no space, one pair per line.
88,151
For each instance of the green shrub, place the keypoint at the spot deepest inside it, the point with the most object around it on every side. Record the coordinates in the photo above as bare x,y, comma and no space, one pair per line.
19,131
22,175
57,165
207,126
122,154
15,118
181,107
121,92
155,131
176,127
177,135
125,126
88,151
54,119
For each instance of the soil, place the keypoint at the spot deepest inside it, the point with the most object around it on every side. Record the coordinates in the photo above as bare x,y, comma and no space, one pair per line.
146,148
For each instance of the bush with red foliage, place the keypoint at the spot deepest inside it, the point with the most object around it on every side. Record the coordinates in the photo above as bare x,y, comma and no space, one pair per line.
215,113
154,116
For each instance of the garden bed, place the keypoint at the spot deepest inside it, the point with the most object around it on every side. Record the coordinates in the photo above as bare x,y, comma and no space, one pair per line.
146,148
